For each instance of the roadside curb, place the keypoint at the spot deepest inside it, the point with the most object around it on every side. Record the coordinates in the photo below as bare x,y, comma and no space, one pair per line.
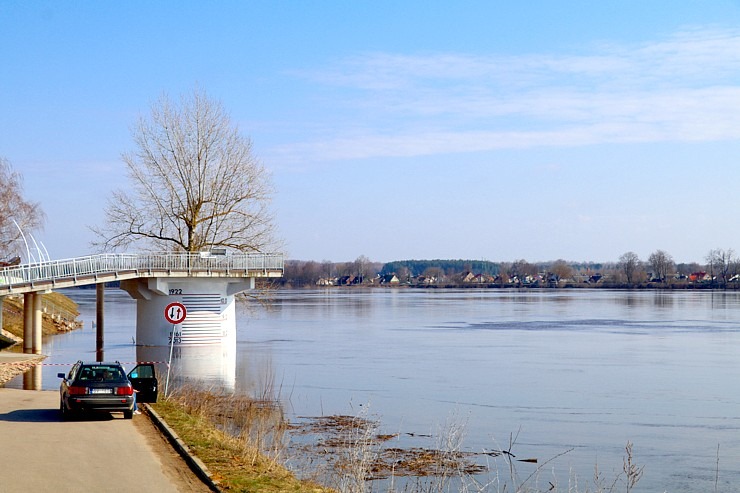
197,465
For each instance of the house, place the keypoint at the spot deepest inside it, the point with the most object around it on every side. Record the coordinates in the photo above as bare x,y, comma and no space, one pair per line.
699,276
389,279
482,279
346,281
467,277
426,280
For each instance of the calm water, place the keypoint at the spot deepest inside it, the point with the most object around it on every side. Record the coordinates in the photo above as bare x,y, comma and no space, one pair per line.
585,370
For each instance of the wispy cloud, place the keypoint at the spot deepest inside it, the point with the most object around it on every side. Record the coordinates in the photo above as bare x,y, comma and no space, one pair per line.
682,88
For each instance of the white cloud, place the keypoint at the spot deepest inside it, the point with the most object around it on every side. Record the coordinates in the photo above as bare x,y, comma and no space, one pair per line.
684,88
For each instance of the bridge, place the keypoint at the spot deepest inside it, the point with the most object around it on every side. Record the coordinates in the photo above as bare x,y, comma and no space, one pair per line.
207,281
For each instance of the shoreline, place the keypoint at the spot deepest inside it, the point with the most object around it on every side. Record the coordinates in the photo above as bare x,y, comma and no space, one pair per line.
13,364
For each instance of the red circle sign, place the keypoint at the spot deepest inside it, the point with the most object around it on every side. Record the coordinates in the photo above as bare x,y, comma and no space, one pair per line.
175,313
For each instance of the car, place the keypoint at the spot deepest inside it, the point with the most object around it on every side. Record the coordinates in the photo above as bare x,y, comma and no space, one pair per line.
104,388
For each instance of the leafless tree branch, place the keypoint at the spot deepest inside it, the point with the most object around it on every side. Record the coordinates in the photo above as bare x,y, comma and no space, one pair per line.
194,184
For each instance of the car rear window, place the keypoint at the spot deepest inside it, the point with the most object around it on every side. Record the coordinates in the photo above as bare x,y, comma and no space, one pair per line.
101,373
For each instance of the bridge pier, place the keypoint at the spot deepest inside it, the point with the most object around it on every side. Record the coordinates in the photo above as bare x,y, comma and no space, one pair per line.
32,319
211,312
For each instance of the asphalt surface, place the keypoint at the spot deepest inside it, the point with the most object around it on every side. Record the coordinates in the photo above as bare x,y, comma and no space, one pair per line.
41,453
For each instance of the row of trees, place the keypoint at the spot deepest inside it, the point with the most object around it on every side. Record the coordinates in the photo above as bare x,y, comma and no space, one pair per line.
722,266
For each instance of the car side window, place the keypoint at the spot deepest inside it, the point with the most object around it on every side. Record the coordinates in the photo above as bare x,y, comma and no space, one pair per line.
142,371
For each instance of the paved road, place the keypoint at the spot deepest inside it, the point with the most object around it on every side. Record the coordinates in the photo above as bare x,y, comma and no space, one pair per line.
40,453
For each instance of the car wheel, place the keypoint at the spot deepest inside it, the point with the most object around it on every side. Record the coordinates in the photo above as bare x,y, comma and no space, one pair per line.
128,414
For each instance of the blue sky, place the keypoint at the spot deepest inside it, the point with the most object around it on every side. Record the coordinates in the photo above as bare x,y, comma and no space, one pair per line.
403,130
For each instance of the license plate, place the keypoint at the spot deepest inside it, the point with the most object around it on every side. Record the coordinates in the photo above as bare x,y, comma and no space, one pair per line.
101,391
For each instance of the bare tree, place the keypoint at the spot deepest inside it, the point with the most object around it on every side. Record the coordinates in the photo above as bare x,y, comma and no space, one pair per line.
403,273
14,208
435,273
629,263
361,266
662,263
521,269
327,269
722,263
561,270
195,184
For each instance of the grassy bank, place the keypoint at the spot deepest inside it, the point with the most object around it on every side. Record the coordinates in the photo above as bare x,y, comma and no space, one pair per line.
230,434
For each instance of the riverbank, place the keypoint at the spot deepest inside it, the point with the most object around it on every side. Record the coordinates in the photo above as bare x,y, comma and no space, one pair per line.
13,364
59,314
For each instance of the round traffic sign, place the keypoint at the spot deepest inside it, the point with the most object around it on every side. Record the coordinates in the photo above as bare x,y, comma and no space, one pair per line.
175,312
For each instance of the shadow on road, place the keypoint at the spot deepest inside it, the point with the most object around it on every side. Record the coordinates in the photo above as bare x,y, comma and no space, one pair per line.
50,416
32,415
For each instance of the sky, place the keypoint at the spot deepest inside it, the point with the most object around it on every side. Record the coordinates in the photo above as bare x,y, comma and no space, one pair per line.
482,130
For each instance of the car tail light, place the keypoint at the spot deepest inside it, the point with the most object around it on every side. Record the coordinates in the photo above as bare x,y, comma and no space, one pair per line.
76,390
128,390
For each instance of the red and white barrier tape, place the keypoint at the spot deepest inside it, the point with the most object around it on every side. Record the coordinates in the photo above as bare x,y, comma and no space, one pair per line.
70,364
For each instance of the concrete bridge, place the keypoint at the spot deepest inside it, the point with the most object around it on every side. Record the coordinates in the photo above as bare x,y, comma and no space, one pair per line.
205,283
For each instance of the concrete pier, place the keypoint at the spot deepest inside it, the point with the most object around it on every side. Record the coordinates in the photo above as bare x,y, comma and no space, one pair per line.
211,315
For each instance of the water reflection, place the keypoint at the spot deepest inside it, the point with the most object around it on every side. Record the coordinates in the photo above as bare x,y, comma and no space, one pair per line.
663,299
209,365
32,378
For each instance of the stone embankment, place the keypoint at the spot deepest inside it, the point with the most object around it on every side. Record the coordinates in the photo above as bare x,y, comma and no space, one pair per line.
59,315
12,364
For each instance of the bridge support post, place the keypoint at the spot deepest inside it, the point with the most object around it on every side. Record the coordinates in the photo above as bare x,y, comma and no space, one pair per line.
99,321
37,323
2,300
28,299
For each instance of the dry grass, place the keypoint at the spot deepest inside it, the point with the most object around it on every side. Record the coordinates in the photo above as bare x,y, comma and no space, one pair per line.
354,455
233,436
245,442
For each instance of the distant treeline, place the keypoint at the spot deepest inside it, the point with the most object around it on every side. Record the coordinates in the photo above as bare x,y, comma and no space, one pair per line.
363,271
417,268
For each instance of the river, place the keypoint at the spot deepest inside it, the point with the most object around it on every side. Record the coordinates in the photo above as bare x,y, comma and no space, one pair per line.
569,375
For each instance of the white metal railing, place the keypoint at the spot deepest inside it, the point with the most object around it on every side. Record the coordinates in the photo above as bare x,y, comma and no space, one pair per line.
111,263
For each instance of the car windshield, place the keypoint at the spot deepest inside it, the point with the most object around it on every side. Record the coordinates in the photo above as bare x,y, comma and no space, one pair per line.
101,373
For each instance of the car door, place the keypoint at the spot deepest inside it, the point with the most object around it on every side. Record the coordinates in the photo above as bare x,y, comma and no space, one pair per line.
144,380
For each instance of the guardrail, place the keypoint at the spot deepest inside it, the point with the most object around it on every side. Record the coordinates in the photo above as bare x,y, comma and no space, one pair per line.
111,263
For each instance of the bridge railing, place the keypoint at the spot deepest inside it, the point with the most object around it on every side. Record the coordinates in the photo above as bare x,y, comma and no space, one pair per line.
110,263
